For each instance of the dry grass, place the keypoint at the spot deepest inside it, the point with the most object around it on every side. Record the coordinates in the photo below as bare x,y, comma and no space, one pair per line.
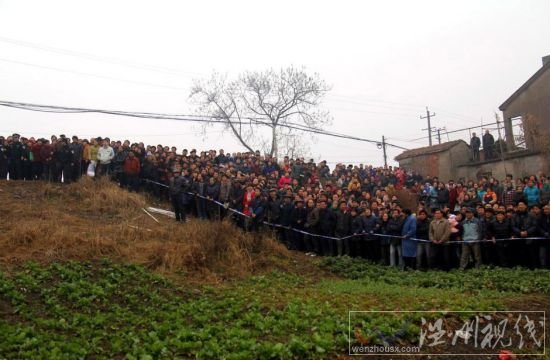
92,220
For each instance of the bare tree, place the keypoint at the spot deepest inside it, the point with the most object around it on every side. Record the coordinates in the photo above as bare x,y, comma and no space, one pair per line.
264,108
293,144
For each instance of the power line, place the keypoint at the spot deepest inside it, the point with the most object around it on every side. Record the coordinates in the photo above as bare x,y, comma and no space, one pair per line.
97,58
90,74
464,129
191,118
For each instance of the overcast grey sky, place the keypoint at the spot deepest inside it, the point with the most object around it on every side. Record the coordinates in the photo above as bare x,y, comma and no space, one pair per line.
385,60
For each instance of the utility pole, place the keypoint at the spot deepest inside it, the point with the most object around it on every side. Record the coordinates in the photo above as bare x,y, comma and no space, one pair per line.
384,150
500,140
428,116
439,134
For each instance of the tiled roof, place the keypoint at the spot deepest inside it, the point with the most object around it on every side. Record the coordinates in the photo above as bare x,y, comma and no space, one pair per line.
428,150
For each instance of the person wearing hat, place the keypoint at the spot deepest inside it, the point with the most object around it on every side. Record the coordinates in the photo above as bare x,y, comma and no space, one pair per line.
472,233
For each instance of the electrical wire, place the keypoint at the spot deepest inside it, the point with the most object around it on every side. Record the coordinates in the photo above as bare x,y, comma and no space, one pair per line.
97,58
91,74
190,118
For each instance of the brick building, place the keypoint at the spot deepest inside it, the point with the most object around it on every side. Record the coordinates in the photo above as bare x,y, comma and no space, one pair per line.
531,103
438,160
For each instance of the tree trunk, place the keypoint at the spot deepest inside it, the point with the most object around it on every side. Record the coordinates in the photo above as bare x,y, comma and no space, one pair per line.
274,149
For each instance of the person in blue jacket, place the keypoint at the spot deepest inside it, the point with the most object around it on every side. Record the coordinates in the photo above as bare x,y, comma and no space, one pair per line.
408,243
532,194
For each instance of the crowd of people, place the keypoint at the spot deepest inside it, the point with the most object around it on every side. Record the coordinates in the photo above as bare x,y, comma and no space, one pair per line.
348,210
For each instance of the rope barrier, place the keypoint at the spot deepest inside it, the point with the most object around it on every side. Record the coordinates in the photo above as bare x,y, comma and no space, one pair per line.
371,234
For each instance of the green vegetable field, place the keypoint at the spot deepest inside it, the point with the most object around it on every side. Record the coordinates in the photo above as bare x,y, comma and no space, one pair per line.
101,309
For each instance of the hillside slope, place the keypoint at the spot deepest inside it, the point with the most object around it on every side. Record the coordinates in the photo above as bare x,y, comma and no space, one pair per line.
92,220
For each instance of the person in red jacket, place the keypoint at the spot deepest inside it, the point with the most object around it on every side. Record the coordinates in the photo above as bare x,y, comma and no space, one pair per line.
284,180
249,195
46,155
36,160
132,168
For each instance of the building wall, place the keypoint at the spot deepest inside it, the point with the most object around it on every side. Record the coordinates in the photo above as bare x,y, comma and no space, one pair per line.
535,100
442,164
426,165
459,155
520,166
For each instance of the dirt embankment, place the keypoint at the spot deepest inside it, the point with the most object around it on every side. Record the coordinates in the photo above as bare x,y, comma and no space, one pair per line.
91,220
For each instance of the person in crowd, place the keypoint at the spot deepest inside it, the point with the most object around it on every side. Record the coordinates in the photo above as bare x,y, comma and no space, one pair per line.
488,145
273,207
64,161
472,234
343,229
350,209
532,193
311,226
395,230
93,149
199,189
442,196
439,234
475,144
490,197
212,193
176,196
105,154
132,168
4,156
257,210
545,192
117,165
285,220
524,227
36,165
16,156
544,232
299,219
326,224
225,191
501,229
76,153
408,243
423,246
385,239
